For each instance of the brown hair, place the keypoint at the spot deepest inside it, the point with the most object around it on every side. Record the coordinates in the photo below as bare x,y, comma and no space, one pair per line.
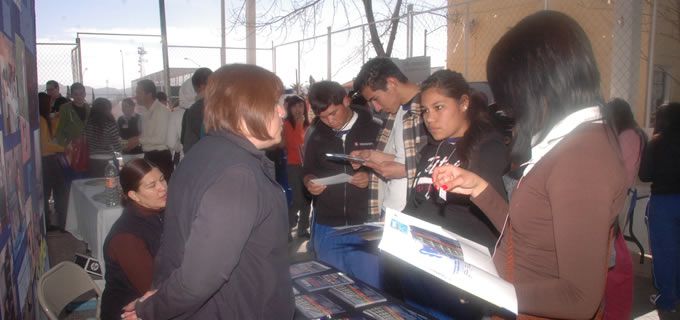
241,93
132,174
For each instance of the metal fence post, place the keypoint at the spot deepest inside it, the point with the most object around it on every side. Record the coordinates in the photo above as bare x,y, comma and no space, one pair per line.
223,35
409,31
650,68
164,43
425,43
466,32
273,57
328,71
363,44
80,60
251,35
122,65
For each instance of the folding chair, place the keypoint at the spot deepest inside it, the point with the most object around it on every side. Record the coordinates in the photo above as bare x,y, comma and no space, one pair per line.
61,285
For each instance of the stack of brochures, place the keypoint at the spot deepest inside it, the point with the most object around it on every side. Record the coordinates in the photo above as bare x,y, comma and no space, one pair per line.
315,306
357,295
393,312
323,281
306,268
342,297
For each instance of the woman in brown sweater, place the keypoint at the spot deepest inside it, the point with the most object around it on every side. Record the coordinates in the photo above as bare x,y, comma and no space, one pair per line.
557,226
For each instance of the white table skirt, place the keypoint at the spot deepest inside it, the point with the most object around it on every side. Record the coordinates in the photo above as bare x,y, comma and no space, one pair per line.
89,220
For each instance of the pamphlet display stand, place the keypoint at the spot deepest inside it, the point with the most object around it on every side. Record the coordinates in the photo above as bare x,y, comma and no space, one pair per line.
322,292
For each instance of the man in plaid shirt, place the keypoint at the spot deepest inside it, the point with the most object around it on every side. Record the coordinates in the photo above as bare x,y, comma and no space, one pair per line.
394,160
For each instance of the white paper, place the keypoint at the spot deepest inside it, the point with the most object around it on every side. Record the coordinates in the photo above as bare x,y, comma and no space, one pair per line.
447,256
336,179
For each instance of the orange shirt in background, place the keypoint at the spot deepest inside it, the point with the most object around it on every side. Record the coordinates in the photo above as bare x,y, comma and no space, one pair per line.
294,139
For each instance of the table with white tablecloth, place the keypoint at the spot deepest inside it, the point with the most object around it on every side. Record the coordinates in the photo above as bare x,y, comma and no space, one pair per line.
88,219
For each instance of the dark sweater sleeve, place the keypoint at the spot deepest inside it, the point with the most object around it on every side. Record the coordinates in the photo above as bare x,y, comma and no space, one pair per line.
490,162
310,163
191,126
134,258
226,215
646,166
185,129
494,206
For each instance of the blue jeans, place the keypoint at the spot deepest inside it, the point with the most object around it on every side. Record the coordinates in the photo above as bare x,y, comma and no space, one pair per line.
347,253
663,220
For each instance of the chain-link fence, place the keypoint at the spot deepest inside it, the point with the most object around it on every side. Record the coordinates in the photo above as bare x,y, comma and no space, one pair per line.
184,56
56,62
349,47
615,29
117,60
458,36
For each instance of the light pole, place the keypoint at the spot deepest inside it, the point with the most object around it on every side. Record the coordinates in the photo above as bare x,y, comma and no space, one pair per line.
122,65
192,61
164,42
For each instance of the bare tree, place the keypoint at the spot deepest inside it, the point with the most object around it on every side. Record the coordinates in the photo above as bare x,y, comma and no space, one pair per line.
375,38
306,16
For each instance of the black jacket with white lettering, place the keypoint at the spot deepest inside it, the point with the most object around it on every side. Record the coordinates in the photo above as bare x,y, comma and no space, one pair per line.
339,204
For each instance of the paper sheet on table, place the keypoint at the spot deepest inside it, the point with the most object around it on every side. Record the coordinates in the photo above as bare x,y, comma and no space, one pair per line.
336,179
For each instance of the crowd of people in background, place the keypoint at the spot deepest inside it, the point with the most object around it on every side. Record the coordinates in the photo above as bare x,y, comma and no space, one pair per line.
541,187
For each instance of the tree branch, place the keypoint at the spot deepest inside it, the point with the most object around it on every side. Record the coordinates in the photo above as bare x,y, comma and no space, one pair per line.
291,14
375,39
395,25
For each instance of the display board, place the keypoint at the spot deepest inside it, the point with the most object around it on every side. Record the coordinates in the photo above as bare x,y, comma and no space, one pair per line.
23,249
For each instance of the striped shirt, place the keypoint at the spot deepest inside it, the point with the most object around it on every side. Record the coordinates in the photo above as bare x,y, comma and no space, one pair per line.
415,138
102,140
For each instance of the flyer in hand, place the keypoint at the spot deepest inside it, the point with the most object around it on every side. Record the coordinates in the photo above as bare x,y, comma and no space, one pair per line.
306,268
334,179
357,295
323,281
393,312
315,306
447,256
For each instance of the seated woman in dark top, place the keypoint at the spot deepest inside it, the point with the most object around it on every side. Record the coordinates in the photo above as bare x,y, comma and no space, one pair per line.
134,239
461,133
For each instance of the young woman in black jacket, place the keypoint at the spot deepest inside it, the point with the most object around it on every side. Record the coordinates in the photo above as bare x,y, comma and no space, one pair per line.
462,134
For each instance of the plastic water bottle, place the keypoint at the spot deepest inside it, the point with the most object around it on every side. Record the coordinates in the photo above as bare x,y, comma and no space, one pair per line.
118,157
111,186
